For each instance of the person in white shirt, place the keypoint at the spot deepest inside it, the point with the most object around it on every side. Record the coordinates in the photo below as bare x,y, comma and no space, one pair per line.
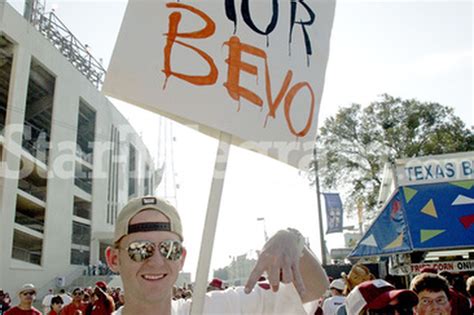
148,253
66,298
330,305
46,303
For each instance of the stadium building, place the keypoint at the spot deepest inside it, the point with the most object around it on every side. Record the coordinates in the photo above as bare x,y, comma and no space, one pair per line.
69,159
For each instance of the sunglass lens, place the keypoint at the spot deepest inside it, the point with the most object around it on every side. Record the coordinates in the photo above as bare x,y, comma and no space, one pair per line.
141,250
171,249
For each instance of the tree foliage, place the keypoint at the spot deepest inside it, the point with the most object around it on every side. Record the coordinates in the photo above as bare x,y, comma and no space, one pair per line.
354,145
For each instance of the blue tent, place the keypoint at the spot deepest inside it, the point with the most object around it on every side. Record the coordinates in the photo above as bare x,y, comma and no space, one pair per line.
422,217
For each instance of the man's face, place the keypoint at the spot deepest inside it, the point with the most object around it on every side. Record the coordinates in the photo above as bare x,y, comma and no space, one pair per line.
334,292
433,303
151,280
77,296
27,297
57,307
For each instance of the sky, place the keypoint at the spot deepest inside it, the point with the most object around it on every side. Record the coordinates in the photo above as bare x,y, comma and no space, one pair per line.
410,49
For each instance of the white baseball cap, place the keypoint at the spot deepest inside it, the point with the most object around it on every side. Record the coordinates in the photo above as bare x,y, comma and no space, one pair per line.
338,284
139,204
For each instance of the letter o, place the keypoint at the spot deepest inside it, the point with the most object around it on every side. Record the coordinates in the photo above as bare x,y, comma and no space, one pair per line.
288,102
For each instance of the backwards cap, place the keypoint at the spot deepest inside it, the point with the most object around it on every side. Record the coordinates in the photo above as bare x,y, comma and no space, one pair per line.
139,204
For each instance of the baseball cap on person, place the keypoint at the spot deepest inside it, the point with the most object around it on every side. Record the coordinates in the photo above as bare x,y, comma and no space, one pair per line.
377,294
139,204
26,287
101,284
217,283
338,284
429,270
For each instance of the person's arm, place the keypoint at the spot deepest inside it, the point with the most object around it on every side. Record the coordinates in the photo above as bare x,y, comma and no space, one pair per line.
285,258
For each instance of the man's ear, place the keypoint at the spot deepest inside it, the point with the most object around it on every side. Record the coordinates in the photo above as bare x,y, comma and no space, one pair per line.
183,258
112,257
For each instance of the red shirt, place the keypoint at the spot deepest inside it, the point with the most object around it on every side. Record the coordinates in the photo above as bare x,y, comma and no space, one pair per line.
17,311
71,309
459,303
103,306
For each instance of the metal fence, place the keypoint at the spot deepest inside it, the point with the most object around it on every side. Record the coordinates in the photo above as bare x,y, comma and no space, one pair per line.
36,142
29,222
82,211
26,255
37,191
48,24
84,184
88,157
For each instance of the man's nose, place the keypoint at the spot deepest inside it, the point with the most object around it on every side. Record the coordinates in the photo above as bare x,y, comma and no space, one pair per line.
435,307
156,259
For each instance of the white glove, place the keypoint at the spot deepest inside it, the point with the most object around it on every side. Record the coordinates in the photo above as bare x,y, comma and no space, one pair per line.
280,258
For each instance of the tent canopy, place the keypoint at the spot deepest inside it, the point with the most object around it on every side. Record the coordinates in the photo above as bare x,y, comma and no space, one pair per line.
422,217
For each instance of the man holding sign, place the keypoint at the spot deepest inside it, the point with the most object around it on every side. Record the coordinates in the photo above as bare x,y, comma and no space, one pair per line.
148,253
250,73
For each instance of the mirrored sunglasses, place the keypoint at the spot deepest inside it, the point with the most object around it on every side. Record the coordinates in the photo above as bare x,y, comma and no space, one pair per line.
141,250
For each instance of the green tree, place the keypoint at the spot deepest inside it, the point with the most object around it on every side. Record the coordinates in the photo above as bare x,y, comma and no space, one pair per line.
354,145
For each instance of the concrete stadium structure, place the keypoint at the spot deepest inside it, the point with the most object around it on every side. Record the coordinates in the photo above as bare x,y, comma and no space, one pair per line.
69,159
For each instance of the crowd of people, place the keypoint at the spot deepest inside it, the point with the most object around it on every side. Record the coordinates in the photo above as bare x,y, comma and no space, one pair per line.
357,293
99,269
98,300
430,293
148,254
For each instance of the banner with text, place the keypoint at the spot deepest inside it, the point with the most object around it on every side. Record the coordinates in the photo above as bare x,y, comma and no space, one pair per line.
254,69
334,212
452,266
435,169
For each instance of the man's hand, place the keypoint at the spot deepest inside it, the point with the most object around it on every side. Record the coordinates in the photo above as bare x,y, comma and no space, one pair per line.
280,259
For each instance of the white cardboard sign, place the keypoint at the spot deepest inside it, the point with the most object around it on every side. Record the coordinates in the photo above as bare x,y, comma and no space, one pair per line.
251,68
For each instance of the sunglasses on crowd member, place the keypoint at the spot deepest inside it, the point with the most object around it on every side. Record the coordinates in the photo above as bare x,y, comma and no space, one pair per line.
76,293
28,293
392,310
141,250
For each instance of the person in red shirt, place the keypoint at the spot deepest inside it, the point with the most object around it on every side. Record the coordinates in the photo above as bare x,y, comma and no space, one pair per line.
27,295
76,304
56,305
104,303
4,302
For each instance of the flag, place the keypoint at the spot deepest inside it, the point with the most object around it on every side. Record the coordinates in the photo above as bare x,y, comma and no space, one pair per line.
334,212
